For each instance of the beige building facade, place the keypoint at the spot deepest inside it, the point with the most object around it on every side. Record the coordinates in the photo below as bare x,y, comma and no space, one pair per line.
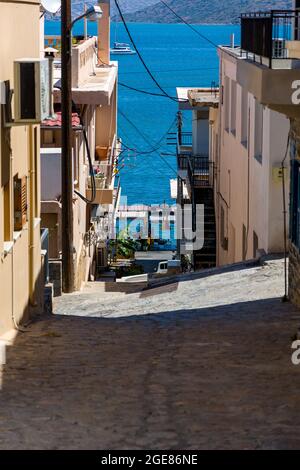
252,141
268,65
94,92
21,264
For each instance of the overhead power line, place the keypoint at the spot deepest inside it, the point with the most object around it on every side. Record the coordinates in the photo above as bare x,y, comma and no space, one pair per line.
146,161
143,91
170,70
155,147
147,140
141,58
189,25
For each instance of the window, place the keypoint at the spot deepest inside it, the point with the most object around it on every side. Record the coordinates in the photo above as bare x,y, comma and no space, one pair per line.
227,104
295,203
258,131
20,203
233,107
296,23
7,214
244,242
223,238
244,118
222,226
36,174
255,244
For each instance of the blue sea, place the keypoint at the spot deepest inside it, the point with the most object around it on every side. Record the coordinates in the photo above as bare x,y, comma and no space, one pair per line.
177,57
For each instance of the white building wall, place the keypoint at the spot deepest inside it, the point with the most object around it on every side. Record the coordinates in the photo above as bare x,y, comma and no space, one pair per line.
248,192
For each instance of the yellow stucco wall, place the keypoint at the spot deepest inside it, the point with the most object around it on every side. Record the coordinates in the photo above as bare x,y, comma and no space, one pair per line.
20,37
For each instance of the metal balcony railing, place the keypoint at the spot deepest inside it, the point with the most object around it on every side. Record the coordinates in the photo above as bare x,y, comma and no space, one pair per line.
203,172
199,169
185,139
182,162
264,34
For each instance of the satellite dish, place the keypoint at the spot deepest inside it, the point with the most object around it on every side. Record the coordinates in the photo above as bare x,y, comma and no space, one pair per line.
52,6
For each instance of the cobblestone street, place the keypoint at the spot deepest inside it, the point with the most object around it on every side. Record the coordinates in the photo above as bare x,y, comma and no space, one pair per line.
205,364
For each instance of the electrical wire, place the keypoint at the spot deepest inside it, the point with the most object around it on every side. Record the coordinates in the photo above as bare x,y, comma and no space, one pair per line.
189,25
92,173
150,143
144,91
130,87
155,147
141,58
171,70
141,162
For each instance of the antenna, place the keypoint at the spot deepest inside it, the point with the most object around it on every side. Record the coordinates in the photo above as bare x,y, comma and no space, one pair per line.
52,6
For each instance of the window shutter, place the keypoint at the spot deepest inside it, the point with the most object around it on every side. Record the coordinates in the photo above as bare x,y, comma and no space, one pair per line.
20,203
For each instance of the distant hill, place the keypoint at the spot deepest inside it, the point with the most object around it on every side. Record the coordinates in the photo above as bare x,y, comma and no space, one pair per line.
202,11
193,11
127,6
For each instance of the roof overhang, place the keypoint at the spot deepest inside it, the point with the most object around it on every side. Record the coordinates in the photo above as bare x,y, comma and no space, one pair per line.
197,98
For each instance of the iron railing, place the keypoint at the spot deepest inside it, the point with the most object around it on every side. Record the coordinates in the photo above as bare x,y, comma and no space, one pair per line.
199,169
185,139
264,34
203,172
182,162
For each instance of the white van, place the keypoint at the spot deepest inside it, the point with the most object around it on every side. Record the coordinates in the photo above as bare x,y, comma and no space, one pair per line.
165,266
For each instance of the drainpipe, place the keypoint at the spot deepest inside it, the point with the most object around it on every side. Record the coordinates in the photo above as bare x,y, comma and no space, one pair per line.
32,149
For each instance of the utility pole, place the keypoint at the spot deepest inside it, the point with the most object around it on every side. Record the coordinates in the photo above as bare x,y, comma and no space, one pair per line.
179,126
179,212
66,149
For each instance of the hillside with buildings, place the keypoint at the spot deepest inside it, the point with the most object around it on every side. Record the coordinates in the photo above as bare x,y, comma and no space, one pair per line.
128,6
202,11
199,11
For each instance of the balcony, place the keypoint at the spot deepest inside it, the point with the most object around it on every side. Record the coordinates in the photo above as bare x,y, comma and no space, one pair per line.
268,37
202,171
104,196
106,153
185,143
105,172
91,84
199,170
268,61
104,179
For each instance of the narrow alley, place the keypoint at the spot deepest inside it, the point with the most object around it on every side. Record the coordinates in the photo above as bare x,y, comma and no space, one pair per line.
205,363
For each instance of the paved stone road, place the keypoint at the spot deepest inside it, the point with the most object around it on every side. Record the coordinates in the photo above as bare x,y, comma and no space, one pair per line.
203,364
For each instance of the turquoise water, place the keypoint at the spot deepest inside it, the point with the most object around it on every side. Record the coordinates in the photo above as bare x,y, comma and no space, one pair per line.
177,57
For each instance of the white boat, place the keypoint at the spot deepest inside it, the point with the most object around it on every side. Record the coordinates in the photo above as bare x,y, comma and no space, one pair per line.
121,48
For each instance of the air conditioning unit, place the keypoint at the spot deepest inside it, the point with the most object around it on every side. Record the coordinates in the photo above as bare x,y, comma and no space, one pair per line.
31,90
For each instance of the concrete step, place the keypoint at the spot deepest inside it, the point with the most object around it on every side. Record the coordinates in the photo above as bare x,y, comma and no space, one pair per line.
112,288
